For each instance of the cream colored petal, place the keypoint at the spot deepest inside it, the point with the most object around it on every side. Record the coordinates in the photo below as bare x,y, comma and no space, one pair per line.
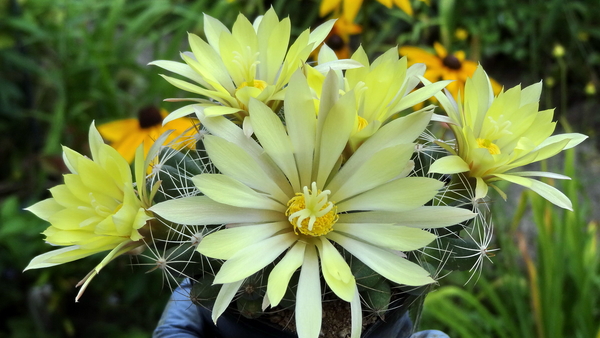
71,158
211,62
224,298
271,133
192,88
420,95
179,68
539,174
71,218
356,315
213,29
308,298
227,190
319,34
574,139
95,141
424,217
336,271
280,276
399,195
451,164
254,257
481,188
548,192
45,209
382,167
389,236
385,263
201,210
301,121
223,244
402,130
334,134
55,257
96,179
181,112
235,162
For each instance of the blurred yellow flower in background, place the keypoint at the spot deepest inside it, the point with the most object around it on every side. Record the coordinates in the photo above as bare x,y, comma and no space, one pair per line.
445,66
350,8
126,135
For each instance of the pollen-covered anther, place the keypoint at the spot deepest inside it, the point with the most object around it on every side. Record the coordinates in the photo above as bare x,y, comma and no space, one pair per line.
311,213
362,123
260,84
489,145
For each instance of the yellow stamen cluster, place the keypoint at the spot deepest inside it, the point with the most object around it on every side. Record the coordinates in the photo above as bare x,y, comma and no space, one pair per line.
362,123
311,213
489,145
260,84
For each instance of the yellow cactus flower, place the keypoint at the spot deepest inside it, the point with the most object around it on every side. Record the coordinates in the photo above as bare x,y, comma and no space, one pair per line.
250,61
288,197
382,88
126,135
97,209
445,66
496,135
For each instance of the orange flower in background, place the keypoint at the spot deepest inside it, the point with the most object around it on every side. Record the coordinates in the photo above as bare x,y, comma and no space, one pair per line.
445,66
126,135
351,7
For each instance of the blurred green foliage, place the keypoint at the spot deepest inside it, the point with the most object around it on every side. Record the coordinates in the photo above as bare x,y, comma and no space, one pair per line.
64,63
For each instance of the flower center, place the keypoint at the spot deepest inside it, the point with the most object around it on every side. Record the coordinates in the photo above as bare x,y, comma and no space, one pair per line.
311,213
260,84
487,144
452,62
149,117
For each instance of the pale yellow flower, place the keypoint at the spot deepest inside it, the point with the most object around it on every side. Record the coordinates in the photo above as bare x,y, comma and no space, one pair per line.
382,89
497,135
286,196
97,209
250,61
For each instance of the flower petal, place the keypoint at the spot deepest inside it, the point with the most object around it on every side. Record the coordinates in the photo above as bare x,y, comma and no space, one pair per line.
280,276
272,136
548,192
381,167
227,190
224,298
254,257
451,164
385,263
308,298
223,244
390,236
336,271
199,210
399,195
427,217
